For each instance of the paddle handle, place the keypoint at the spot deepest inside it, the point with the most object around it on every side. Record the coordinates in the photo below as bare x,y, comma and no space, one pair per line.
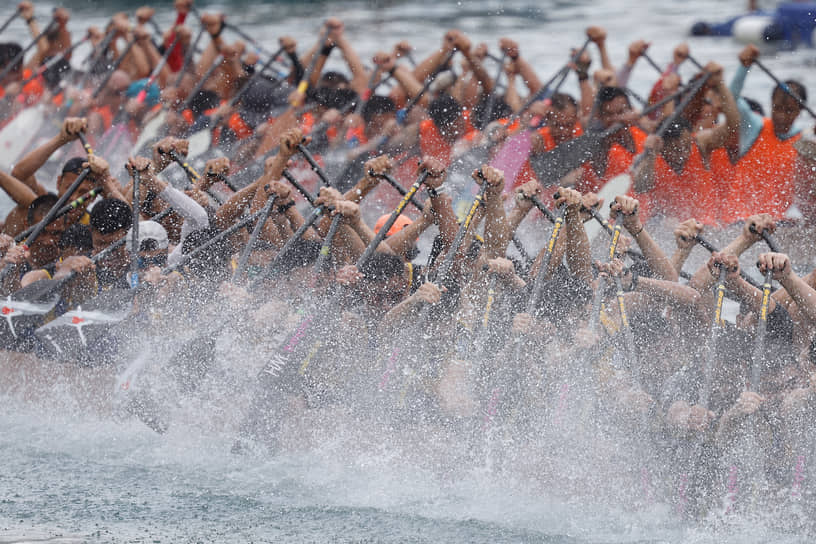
326,247
401,190
383,232
313,164
538,285
256,232
9,21
192,175
300,188
762,325
716,325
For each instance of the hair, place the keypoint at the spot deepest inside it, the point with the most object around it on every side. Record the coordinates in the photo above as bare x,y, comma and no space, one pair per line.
561,101
332,79
202,101
607,94
444,110
382,266
499,110
378,105
53,74
795,88
754,105
42,203
111,215
336,98
676,128
78,236
73,165
8,51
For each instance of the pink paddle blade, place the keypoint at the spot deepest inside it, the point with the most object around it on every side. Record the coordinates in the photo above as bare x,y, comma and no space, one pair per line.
511,157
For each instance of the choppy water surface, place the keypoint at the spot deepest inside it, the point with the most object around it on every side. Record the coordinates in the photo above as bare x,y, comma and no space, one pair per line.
67,475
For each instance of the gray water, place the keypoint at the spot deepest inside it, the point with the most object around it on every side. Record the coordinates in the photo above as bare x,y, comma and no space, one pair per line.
68,474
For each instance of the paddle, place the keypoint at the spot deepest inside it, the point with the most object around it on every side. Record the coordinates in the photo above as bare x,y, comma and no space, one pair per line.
19,56
784,86
9,21
762,319
715,333
200,141
712,249
256,232
134,238
87,197
113,68
403,113
188,56
491,96
441,279
315,214
52,61
303,86
383,232
569,155
244,221
325,248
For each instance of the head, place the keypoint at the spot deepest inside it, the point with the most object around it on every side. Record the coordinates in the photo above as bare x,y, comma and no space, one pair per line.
152,242
612,104
784,107
115,90
562,117
8,51
261,101
377,112
401,222
446,113
333,80
384,282
76,240
44,249
677,140
110,220
203,100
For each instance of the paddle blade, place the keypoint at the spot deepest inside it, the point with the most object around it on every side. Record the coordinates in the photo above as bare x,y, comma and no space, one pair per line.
553,165
512,156
199,143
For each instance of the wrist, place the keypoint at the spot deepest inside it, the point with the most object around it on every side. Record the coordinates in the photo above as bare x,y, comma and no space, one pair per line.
636,230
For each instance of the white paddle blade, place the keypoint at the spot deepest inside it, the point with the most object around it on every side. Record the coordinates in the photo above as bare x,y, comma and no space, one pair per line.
199,143
17,135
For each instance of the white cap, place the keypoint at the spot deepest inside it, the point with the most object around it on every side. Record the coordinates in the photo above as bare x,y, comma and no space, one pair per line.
150,230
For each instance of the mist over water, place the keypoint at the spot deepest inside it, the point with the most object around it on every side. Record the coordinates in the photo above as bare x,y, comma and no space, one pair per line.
76,469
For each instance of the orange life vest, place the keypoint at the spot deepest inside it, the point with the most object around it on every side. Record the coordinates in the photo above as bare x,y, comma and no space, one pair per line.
683,195
619,159
762,180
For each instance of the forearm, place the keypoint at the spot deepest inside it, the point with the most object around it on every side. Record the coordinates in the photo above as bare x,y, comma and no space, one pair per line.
802,294
579,255
359,79
497,230
229,211
24,170
528,75
655,257
410,84
17,190
679,257
189,209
